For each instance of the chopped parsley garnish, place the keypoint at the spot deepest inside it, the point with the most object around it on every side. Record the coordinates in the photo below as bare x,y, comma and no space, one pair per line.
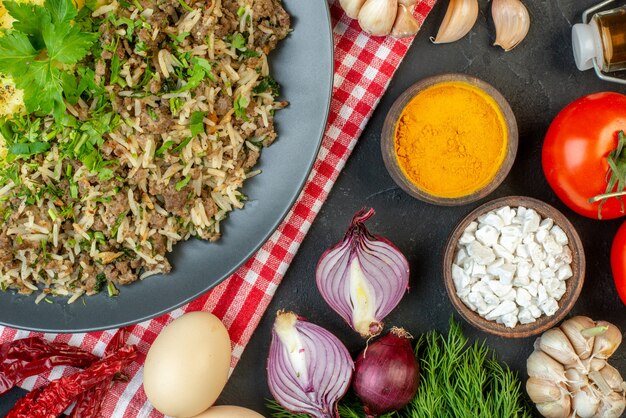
267,84
240,105
101,280
200,70
238,41
163,148
182,183
185,5
196,124
44,40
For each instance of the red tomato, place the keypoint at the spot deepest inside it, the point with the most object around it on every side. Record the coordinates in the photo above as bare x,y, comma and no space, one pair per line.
575,152
618,261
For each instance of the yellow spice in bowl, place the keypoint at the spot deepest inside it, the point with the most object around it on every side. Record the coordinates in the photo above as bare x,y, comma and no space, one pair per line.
451,139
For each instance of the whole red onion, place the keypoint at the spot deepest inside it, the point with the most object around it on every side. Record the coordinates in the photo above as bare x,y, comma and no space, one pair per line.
386,374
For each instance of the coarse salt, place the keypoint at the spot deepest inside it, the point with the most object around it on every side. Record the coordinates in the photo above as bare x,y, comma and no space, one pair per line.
511,266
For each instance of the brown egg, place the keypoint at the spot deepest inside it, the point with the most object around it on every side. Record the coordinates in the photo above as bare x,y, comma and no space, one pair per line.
187,366
224,411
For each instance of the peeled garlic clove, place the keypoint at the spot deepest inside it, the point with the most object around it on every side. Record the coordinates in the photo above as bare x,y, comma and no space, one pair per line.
541,390
405,24
557,409
458,21
377,17
573,328
512,22
554,343
351,7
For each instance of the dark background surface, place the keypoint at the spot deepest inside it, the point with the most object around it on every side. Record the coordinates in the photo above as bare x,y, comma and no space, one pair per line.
538,78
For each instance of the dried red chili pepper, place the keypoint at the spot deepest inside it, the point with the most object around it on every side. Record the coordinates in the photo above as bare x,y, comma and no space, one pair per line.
89,403
59,394
31,356
23,405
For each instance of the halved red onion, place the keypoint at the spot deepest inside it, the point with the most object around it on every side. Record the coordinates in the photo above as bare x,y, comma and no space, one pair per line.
363,277
308,369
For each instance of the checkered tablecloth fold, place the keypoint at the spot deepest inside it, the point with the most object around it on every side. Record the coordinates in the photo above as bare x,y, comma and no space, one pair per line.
364,66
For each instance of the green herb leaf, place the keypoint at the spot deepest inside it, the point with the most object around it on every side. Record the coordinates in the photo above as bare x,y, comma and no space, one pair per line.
61,11
196,124
240,105
27,149
238,41
101,280
163,148
249,53
115,69
182,183
29,20
267,84
34,52
16,53
66,44
182,145
185,5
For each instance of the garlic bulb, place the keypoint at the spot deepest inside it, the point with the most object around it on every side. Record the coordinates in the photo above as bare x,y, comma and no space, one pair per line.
377,17
405,24
512,22
351,7
568,371
458,21
383,17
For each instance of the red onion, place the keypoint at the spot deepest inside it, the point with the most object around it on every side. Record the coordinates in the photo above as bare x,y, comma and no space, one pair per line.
363,277
308,369
386,374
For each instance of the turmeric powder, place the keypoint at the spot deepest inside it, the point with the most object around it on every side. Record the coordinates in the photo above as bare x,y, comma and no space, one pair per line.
451,139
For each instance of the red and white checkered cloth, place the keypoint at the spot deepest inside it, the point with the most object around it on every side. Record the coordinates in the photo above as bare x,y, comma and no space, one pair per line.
364,66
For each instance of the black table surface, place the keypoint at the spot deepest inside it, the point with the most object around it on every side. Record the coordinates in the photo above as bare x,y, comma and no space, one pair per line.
538,78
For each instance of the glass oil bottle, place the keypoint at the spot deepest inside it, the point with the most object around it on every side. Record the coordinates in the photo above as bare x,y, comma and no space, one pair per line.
600,42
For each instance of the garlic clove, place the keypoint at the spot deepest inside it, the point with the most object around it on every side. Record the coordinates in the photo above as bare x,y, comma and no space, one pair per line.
512,22
557,409
542,366
573,328
458,21
405,24
377,17
576,378
585,402
612,377
554,343
612,406
606,343
541,390
351,7
408,4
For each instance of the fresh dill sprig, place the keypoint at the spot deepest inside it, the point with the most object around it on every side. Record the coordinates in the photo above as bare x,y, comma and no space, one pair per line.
457,380
279,412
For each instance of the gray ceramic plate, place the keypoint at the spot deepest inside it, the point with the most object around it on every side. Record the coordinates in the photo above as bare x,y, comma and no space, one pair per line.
303,65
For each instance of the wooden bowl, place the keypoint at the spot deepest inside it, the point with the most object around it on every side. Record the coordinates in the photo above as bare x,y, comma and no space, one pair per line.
388,139
573,285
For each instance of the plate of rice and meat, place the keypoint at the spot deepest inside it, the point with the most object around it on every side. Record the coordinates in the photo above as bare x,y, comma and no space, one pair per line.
134,174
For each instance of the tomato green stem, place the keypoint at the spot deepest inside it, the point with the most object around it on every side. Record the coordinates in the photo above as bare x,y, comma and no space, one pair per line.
616,175
606,196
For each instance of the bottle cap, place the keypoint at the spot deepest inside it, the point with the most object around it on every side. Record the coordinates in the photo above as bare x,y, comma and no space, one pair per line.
584,42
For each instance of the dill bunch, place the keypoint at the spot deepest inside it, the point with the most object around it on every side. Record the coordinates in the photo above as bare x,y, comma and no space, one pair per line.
457,380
